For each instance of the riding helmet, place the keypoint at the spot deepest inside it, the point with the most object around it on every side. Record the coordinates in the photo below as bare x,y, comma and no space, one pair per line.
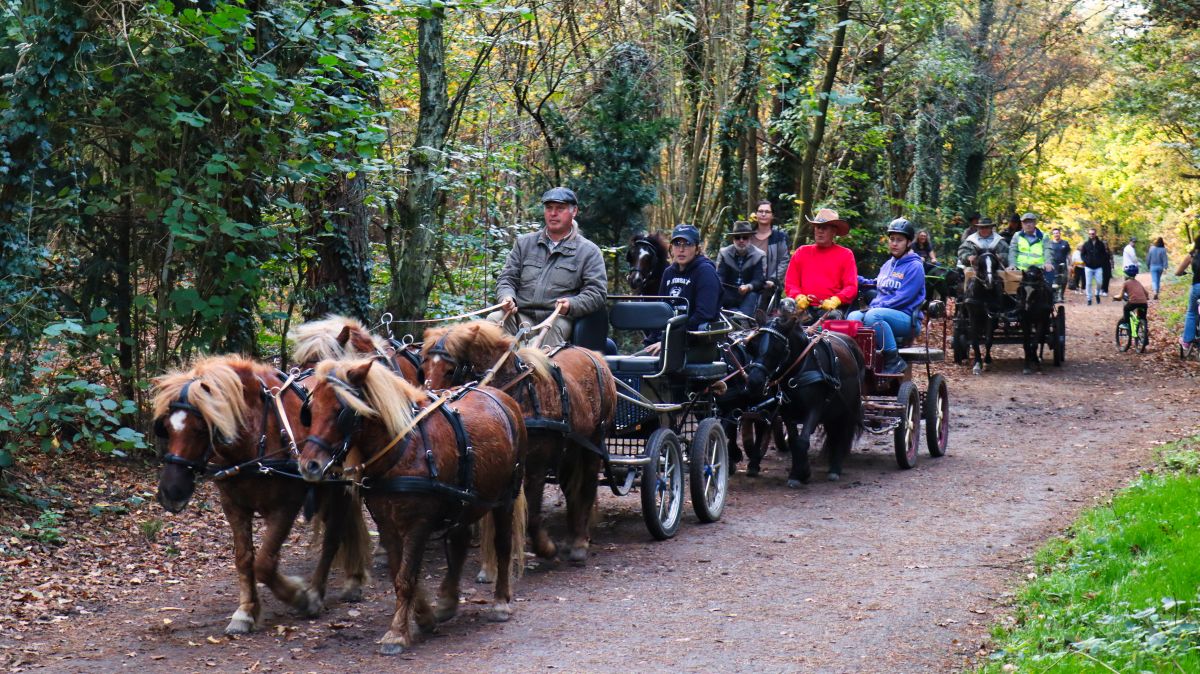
902,226
1131,270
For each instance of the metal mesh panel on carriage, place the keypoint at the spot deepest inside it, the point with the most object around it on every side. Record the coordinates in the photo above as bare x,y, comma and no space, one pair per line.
632,423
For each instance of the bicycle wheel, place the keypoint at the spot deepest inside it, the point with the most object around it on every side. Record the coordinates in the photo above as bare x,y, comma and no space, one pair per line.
1123,338
1143,337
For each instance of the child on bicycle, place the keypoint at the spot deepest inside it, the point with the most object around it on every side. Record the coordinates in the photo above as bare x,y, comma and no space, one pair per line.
1135,294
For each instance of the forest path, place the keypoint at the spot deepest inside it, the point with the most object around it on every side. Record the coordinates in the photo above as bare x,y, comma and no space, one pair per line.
884,571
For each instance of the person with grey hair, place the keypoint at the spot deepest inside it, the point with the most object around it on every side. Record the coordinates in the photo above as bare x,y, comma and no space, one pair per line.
554,267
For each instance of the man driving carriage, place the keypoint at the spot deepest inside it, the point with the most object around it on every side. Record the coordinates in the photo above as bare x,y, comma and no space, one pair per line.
901,285
823,274
983,239
554,267
1029,248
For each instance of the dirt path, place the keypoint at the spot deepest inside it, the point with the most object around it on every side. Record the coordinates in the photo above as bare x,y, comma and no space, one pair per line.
885,571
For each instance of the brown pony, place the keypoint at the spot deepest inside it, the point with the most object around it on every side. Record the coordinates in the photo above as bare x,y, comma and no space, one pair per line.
339,337
568,399
465,459
219,421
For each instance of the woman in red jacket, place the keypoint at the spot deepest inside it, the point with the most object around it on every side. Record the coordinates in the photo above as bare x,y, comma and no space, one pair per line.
823,274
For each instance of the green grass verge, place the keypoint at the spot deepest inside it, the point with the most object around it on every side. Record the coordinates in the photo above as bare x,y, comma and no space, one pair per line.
1120,593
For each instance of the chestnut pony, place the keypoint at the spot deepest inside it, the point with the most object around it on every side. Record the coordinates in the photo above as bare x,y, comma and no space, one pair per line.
463,460
219,421
568,399
339,337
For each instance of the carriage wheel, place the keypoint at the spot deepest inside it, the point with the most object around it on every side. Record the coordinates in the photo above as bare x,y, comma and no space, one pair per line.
910,424
708,470
937,415
1123,337
662,484
1060,336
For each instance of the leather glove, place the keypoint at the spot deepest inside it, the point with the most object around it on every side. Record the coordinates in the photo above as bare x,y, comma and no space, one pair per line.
831,303
802,301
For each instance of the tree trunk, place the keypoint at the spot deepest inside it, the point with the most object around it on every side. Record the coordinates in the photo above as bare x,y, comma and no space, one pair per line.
736,127
124,299
792,59
419,208
339,278
970,150
808,165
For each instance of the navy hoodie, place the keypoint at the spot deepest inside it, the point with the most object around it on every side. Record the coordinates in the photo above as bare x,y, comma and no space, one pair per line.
699,285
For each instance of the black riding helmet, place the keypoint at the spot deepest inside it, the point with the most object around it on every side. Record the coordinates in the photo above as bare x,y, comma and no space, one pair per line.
902,226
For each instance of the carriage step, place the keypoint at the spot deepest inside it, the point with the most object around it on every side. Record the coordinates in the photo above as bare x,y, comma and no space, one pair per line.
921,354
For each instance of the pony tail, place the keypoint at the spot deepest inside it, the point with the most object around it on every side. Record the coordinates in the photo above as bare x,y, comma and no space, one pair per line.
487,546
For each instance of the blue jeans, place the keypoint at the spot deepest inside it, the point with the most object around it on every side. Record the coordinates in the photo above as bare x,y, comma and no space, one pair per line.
1095,279
888,324
1189,323
1156,278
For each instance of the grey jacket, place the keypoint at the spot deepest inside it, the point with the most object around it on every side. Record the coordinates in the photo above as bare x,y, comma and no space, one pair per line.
778,255
535,276
975,244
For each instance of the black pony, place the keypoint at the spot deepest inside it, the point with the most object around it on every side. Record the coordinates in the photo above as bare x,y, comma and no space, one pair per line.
648,256
1035,302
982,298
819,382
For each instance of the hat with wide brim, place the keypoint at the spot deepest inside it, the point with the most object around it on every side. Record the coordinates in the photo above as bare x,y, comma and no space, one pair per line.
828,216
742,228
985,222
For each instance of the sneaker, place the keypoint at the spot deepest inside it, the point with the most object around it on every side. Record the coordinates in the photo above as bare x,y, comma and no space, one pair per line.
893,363
1184,345
1089,301
1155,295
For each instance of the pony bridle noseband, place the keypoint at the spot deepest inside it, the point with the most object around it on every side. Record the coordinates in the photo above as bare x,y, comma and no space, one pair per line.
347,422
198,467
787,352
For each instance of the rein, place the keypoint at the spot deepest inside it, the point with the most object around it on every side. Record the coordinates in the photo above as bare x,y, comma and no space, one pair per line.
443,319
544,327
403,433
812,342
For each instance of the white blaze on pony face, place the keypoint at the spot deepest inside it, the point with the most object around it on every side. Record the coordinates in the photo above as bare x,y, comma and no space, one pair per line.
177,420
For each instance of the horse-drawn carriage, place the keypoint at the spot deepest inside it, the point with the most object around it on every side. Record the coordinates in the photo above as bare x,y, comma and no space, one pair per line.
666,421
995,306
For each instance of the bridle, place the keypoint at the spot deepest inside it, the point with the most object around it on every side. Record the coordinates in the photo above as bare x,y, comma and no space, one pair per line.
347,422
462,371
645,250
181,403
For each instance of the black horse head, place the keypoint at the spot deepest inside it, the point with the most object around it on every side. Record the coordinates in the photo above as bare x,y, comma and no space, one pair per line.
1034,294
648,258
987,270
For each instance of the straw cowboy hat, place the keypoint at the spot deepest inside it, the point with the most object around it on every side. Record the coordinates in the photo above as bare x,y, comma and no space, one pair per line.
828,216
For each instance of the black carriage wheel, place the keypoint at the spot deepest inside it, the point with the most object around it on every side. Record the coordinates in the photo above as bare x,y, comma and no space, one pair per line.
910,424
1123,338
1060,336
662,484
937,415
708,470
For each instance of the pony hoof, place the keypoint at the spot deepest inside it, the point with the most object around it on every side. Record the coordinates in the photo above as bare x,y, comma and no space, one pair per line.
578,556
753,471
352,595
240,626
309,603
1026,371
485,576
445,610
546,549
391,649
834,477
501,612
794,484
977,370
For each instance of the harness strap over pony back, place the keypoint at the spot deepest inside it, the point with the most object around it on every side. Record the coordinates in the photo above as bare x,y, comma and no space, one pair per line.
819,374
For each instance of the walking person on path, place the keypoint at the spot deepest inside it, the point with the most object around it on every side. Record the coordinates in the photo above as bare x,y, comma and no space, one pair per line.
1129,254
1156,260
1192,262
1095,256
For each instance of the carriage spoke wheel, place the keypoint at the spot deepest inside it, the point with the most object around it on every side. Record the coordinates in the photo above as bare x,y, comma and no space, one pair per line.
937,415
662,484
910,424
708,470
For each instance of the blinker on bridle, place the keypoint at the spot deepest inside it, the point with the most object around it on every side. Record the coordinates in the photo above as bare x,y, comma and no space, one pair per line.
347,421
182,403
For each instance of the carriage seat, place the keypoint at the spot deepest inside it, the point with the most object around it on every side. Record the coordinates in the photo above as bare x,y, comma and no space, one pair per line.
591,330
652,315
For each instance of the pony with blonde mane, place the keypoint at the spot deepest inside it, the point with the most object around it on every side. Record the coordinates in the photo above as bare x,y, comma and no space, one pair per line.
218,420
342,338
566,430
455,464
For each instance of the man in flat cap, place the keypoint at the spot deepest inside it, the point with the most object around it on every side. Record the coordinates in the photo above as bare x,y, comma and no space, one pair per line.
552,267
823,274
1029,248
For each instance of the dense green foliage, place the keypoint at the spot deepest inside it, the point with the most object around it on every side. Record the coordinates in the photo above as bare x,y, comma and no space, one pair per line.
186,176
1119,593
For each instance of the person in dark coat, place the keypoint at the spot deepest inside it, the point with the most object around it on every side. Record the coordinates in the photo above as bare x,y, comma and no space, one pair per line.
741,268
1096,257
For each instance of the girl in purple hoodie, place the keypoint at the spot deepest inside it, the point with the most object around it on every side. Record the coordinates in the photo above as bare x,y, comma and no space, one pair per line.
901,286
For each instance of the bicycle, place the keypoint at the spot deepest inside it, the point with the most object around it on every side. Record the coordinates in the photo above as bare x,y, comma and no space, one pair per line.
1135,331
